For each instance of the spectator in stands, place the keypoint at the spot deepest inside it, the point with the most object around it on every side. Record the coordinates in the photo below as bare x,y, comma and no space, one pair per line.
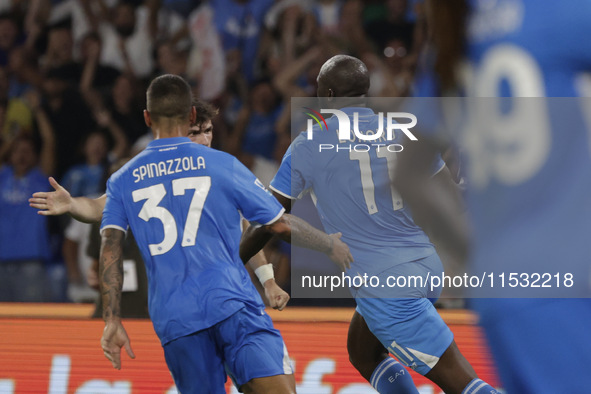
394,25
69,116
206,65
328,16
290,30
89,179
20,117
3,108
59,52
101,147
298,79
23,72
171,60
95,76
78,263
182,7
16,115
10,36
240,24
125,106
24,237
129,36
4,84
391,73
128,39
85,17
256,131
86,179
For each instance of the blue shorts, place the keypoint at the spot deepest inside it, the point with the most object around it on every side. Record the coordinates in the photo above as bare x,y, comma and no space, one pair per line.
410,328
245,345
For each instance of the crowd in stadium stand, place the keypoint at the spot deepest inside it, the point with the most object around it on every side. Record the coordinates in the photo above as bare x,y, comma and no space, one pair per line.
72,79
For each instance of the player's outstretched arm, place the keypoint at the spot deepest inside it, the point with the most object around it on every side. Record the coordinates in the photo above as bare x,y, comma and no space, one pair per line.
298,232
58,202
111,282
88,210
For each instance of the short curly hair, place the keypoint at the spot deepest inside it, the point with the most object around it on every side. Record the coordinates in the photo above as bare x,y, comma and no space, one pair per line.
205,111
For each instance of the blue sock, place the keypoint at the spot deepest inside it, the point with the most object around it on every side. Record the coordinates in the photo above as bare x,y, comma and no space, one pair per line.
390,377
478,386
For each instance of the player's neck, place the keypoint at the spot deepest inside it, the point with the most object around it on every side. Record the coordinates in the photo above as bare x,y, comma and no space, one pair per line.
170,130
346,101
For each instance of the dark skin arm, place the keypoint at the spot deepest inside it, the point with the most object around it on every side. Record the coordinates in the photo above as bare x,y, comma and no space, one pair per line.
254,239
297,232
111,282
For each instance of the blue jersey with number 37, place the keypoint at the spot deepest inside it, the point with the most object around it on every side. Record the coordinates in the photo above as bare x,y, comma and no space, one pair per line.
182,202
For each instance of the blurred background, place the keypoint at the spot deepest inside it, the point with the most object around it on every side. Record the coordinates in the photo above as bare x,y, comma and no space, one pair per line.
73,75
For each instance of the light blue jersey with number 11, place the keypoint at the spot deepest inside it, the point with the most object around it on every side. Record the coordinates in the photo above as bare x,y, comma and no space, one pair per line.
353,193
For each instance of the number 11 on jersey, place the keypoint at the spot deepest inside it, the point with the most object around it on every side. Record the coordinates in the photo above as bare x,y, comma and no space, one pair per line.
367,183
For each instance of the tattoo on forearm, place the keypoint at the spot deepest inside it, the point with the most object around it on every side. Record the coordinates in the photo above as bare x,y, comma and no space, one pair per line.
303,234
111,272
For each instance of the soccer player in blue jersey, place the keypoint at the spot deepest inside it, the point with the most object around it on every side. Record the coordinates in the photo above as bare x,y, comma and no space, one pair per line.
354,196
529,174
181,201
90,210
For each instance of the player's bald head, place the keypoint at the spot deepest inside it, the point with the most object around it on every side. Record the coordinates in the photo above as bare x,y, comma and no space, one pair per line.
343,76
169,97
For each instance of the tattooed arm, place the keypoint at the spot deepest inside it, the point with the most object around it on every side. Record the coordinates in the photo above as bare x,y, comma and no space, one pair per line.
111,282
298,232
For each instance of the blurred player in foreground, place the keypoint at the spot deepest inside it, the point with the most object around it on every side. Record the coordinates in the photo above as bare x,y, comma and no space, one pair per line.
354,196
90,210
181,201
529,174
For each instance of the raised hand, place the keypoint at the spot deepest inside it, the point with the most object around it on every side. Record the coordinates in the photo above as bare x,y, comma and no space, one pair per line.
53,203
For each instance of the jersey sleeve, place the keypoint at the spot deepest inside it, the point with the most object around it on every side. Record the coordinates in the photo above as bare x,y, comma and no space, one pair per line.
255,202
291,180
281,182
114,215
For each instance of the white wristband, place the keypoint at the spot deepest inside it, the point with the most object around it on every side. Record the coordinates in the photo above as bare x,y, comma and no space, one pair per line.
264,273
